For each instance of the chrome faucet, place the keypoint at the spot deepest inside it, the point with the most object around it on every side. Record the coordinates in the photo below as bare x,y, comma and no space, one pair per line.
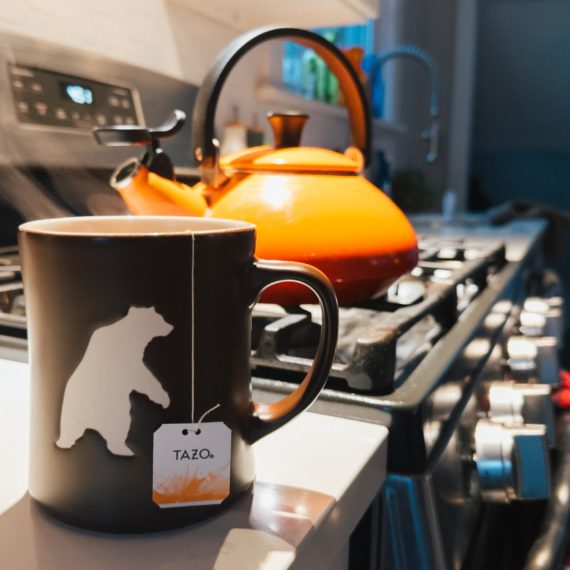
372,64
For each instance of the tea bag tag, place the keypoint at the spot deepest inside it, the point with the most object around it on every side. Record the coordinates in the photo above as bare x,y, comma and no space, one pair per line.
191,464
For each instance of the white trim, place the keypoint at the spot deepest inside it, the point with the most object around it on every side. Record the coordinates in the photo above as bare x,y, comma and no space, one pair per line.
134,226
189,504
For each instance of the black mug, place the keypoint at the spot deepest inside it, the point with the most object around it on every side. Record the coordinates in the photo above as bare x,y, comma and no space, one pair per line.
139,336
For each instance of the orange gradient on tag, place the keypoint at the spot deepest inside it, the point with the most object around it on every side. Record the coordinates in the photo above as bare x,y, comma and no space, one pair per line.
212,488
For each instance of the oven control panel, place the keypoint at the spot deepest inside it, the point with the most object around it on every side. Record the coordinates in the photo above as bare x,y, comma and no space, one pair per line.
47,98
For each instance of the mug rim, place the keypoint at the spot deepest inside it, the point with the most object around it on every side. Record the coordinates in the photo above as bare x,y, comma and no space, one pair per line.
71,226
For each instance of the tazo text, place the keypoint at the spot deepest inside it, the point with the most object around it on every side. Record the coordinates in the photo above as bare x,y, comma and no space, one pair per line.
192,454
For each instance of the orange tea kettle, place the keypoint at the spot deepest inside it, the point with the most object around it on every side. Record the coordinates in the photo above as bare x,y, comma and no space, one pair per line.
309,204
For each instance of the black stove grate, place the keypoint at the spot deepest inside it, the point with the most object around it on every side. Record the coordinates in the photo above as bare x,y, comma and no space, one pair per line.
405,324
12,311
385,340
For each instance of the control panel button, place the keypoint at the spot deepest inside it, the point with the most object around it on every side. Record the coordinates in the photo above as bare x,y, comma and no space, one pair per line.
37,87
17,84
74,115
41,108
60,114
125,104
101,119
118,120
129,121
23,107
113,101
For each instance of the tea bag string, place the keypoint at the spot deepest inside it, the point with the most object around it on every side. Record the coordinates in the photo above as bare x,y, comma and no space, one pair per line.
203,416
193,322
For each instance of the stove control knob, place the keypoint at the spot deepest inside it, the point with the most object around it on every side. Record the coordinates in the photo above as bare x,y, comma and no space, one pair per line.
533,359
511,403
532,323
512,462
550,309
522,358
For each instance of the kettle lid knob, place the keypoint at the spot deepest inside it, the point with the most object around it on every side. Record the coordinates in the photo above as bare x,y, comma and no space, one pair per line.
287,128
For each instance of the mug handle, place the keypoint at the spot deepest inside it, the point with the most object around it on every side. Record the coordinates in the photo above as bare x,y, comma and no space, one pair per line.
268,417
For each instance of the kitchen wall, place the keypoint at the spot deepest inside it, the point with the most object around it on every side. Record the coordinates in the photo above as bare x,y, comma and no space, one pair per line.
521,145
163,36
521,142
128,30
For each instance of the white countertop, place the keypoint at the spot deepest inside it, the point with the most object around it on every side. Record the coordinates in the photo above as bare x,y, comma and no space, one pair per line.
315,478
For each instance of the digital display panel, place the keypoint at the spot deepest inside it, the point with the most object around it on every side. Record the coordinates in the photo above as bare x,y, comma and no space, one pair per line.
52,99
78,94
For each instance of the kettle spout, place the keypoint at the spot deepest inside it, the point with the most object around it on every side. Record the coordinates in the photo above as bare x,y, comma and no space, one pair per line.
146,193
188,200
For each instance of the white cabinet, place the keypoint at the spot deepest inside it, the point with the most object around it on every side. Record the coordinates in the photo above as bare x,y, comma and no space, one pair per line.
247,14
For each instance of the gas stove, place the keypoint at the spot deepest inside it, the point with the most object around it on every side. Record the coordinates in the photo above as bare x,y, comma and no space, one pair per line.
458,360
12,309
382,341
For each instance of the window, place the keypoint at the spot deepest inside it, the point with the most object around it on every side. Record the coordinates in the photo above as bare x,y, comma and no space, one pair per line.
307,74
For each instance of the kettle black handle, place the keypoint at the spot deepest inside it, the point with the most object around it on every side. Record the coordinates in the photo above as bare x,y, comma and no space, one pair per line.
204,143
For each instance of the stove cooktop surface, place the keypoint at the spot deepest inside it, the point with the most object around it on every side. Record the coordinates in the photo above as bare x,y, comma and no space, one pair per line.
383,340
380,341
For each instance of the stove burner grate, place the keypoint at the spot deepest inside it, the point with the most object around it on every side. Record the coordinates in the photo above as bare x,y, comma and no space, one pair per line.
12,311
383,340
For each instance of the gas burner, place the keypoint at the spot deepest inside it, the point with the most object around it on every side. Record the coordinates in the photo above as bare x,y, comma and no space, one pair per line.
380,341
12,309
383,340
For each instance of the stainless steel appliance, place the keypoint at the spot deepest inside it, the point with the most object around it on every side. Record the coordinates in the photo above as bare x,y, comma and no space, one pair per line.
51,97
458,360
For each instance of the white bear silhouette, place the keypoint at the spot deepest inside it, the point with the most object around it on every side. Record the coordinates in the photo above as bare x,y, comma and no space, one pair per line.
97,393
